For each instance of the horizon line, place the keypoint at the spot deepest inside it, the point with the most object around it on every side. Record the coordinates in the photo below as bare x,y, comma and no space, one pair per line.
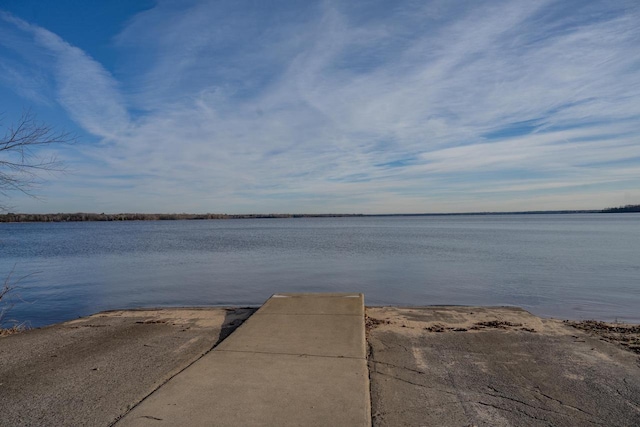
89,216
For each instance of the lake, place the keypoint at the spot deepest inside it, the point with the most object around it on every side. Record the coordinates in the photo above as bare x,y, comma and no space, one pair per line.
573,266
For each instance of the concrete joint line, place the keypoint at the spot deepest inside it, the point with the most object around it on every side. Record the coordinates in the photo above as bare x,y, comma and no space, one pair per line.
292,354
305,314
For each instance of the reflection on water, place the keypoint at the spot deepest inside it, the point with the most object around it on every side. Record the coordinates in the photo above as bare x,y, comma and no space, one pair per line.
570,266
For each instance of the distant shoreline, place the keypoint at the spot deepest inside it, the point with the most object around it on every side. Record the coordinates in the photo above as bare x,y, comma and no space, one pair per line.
83,217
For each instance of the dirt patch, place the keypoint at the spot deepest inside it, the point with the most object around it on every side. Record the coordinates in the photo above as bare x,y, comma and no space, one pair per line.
12,330
438,327
493,324
496,324
625,335
441,319
371,322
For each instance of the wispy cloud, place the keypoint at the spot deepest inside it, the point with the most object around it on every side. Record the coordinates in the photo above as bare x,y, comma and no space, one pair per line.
226,106
83,87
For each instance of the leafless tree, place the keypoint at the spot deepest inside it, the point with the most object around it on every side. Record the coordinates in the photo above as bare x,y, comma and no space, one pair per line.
4,293
7,297
21,162
21,166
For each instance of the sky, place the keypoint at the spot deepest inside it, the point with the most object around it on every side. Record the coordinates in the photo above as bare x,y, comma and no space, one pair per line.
328,106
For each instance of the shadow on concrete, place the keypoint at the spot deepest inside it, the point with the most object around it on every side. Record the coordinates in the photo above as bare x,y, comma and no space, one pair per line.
234,317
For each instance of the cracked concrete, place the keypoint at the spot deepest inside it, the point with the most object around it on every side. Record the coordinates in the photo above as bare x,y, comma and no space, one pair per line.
461,366
90,371
300,360
430,366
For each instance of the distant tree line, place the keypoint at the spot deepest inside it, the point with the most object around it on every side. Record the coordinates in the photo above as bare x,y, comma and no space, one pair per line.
627,208
80,216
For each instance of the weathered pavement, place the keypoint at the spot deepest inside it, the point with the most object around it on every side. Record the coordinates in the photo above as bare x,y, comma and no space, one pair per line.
430,366
470,366
88,372
300,360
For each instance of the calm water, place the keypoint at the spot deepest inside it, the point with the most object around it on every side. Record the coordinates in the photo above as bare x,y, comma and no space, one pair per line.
568,266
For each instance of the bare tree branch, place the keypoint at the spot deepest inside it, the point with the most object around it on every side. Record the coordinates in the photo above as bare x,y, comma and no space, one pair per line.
21,163
7,294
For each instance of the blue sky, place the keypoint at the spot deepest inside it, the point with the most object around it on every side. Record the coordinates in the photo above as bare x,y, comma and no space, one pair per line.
329,106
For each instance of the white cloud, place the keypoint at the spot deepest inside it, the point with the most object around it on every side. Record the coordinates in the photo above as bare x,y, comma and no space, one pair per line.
329,110
84,88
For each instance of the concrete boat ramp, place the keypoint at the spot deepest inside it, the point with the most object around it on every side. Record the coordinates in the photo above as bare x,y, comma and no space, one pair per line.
321,360
299,360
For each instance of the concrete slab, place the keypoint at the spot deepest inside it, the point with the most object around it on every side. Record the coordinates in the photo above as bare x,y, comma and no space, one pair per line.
441,366
329,303
249,389
90,371
299,360
475,366
313,334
